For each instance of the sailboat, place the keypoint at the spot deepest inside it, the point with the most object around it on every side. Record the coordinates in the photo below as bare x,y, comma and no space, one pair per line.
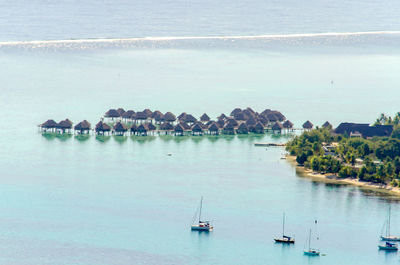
311,251
284,238
389,246
388,236
202,225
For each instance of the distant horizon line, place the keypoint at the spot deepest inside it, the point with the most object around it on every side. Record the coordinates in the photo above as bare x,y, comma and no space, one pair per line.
217,37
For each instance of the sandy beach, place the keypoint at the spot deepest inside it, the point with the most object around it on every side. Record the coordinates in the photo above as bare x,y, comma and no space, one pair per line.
333,178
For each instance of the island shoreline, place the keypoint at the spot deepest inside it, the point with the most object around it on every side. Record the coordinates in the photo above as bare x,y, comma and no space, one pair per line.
332,178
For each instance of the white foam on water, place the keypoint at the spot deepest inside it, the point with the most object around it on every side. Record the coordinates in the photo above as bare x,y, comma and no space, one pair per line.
171,38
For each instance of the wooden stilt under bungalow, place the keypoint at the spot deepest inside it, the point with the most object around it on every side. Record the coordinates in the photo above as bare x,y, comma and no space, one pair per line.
213,129
151,128
242,129
229,128
133,129
169,117
308,125
288,125
277,127
83,127
102,128
64,126
49,125
128,115
120,128
158,117
204,118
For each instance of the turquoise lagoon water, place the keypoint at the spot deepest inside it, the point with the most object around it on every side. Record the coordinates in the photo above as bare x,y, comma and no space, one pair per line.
122,200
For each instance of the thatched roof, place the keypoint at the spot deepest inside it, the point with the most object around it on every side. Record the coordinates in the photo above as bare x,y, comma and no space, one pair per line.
141,115
229,126
258,127
222,117
158,116
148,113
308,125
213,127
65,124
242,128
156,113
151,127
250,110
129,114
142,128
112,113
189,118
204,117
277,126
288,124
266,112
197,128
251,122
49,124
235,111
209,123
247,114
121,111
364,129
120,127
83,125
185,125
166,126
232,122
102,127
272,117
263,120
280,116
221,123
182,116
239,116
179,128
326,125
169,116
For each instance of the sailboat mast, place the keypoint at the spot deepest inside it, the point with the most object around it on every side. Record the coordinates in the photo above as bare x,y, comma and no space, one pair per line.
389,223
283,225
201,205
309,241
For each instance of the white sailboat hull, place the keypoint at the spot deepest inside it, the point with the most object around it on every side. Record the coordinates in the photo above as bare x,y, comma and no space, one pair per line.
202,228
390,238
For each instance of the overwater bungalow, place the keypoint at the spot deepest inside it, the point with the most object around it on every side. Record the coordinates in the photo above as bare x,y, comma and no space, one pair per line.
169,117
232,122
142,129
327,125
140,117
251,122
258,128
112,114
204,118
221,123
151,127
120,128
288,125
49,125
190,119
277,127
197,129
208,123
148,113
229,128
83,127
182,116
166,127
242,129
308,125
179,130
185,126
64,126
102,128
213,129
129,115
263,120
239,116
158,117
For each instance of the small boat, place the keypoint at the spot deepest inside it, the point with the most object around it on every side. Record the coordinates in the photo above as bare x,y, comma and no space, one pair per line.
388,236
202,225
389,246
311,251
284,239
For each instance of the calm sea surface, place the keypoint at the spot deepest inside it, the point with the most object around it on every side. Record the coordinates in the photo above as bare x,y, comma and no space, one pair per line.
122,200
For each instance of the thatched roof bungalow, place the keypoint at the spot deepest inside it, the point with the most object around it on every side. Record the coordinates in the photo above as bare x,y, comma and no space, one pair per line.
141,116
169,117
48,125
258,128
182,116
235,112
197,129
102,127
277,127
112,113
229,128
189,118
213,128
120,128
221,123
327,125
239,116
148,113
288,124
179,130
166,127
65,125
142,129
308,125
121,111
83,127
242,129
185,126
222,117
